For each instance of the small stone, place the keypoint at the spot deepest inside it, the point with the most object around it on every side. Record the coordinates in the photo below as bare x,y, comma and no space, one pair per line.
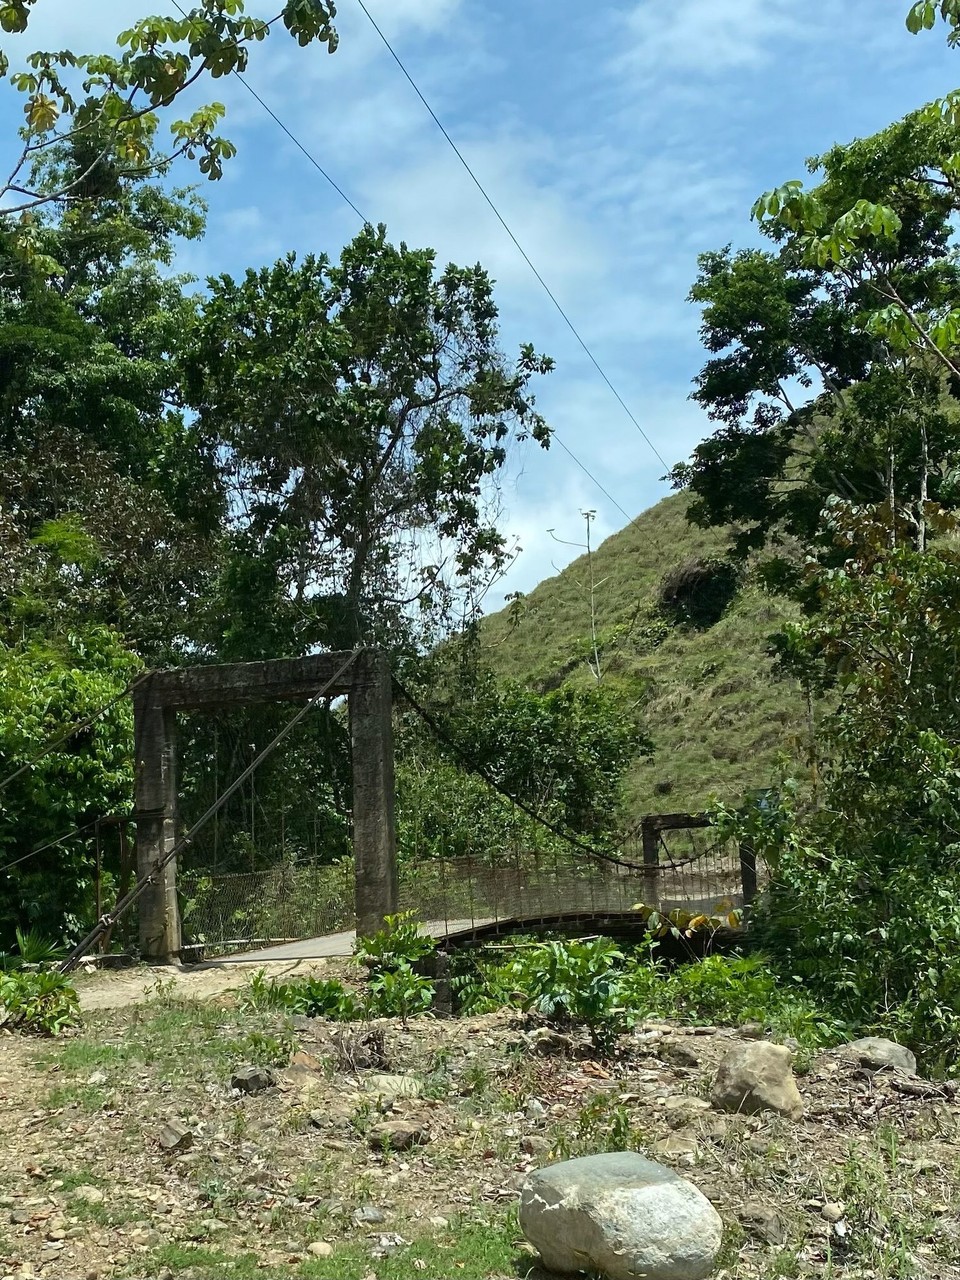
757,1076
175,1136
390,1087
439,1222
832,1212
621,1215
88,1194
678,1146
684,1108
764,1222
306,1062
398,1135
320,1249
253,1079
369,1214
550,1043
678,1054
98,1078
879,1054
752,1031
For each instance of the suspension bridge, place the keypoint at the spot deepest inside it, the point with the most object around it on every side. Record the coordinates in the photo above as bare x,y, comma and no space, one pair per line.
309,907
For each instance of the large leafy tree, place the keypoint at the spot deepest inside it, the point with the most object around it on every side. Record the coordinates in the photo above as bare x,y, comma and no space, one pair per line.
362,411
110,104
832,368
102,475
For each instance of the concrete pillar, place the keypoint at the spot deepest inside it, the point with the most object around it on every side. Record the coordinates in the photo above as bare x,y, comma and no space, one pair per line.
374,827
651,865
156,792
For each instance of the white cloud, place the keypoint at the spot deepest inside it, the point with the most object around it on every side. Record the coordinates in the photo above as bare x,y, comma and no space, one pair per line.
705,37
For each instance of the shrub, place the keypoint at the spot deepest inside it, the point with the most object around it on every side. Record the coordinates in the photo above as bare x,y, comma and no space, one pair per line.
730,991
574,982
696,593
42,1002
308,998
398,943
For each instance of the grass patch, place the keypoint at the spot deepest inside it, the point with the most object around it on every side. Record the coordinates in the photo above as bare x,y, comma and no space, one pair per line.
717,714
473,1251
89,1098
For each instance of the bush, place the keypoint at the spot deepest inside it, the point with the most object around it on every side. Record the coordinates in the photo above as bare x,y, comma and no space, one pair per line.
596,985
574,982
308,998
730,991
42,1002
697,593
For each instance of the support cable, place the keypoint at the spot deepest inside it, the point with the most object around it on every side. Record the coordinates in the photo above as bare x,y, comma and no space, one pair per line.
580,845
110,919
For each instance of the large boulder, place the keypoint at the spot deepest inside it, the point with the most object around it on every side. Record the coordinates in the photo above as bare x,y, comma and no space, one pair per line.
620,1215
879,1054
757,1076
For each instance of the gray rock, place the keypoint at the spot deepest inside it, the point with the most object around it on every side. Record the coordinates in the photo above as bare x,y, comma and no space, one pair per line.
253,1079
390,1087
757,1076
764,1222
369,1214
175,1136
678,1054
879,1054
621,1215
398,1135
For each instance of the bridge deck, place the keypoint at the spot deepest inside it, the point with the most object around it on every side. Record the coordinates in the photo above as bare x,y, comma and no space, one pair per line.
340,945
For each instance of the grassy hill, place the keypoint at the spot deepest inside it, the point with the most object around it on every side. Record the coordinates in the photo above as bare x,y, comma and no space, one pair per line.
705,692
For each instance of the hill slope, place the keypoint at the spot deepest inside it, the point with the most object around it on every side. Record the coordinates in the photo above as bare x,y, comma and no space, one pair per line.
707,695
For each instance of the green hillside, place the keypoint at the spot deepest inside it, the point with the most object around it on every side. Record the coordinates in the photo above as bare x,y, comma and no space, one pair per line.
706,694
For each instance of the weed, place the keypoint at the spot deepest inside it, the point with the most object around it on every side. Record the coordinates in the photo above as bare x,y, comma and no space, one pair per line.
603,1124
43,1002
398,943
575,982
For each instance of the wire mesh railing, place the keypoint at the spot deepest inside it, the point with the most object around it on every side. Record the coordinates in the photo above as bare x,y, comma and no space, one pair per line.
665,868
223,914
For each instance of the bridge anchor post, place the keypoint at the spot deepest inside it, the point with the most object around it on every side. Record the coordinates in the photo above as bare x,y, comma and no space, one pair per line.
374,823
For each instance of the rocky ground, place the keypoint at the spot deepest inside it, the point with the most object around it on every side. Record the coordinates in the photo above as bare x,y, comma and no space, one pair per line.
182,1137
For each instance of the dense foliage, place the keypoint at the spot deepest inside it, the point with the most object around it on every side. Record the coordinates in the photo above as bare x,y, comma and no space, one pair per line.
863,904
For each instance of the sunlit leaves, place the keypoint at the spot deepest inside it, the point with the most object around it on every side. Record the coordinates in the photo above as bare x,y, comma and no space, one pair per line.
157,59
922,16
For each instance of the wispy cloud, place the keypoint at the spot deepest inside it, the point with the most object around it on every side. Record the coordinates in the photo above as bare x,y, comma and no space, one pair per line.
707,38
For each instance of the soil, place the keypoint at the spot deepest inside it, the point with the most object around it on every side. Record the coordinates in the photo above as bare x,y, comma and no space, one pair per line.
128,1140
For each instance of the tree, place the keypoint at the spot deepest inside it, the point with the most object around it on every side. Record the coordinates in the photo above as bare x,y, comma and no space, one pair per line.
832,369
362,412
104,480
562,755
48,812
109,105
863,900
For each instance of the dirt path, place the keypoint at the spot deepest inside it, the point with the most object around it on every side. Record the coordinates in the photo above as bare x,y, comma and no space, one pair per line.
120,988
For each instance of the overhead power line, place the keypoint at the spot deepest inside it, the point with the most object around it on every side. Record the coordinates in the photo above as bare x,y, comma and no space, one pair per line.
343,196
508,229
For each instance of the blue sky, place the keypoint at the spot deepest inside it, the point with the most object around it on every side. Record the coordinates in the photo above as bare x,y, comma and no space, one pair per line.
619,139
